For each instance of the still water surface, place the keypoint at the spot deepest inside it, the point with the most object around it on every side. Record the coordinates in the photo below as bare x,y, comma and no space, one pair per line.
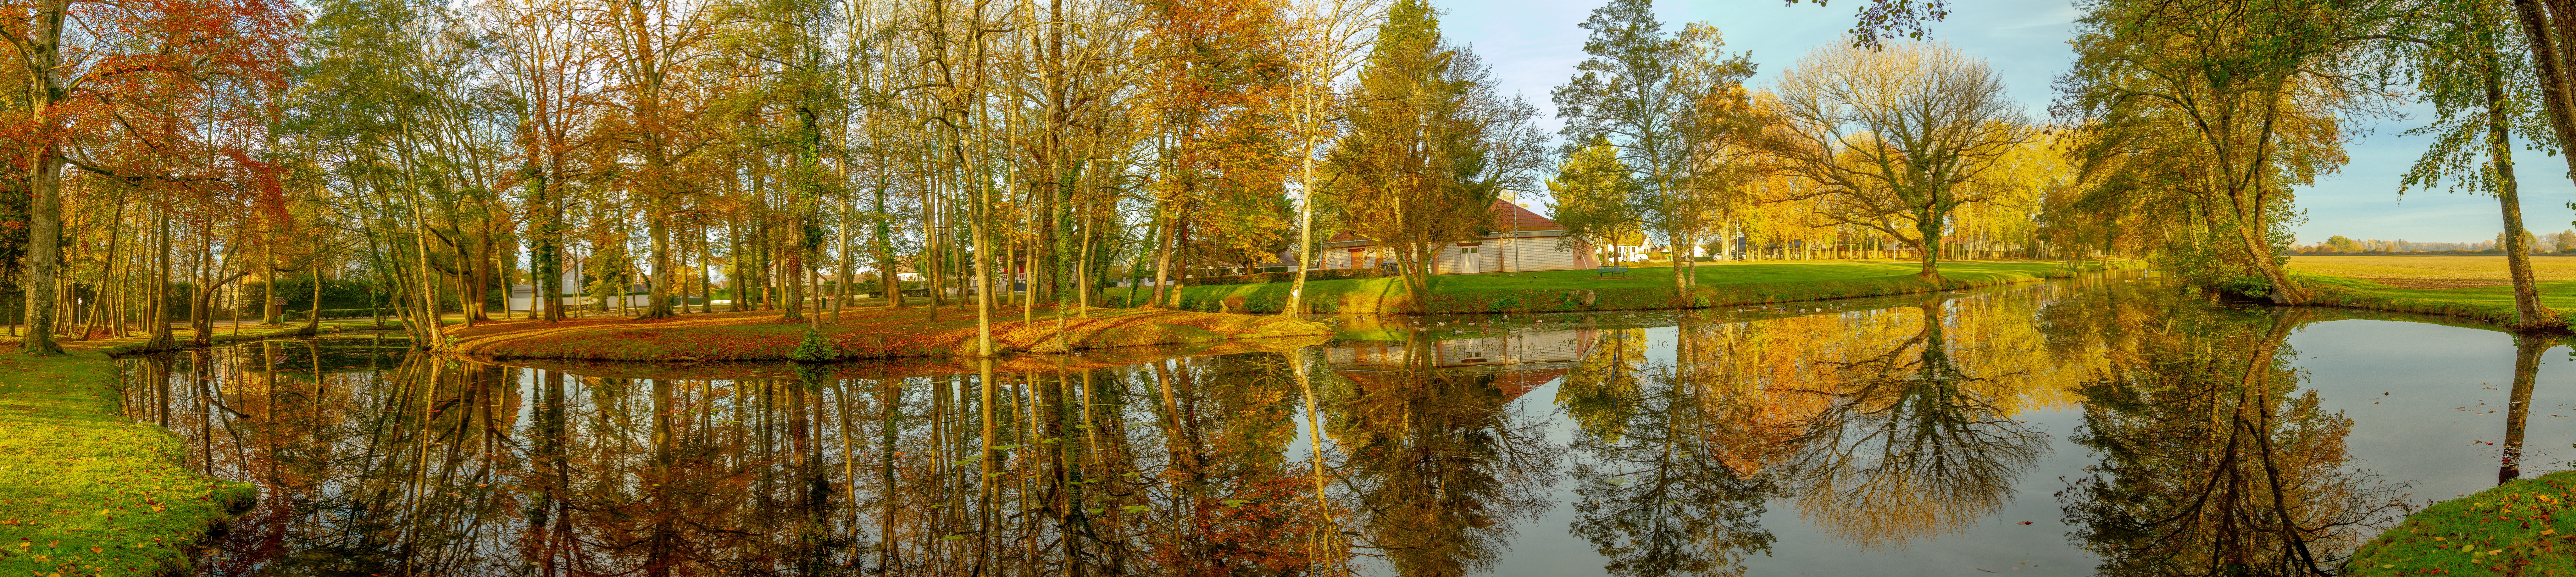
2105,425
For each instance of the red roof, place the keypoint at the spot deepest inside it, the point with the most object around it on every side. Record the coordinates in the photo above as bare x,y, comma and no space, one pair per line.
1510,217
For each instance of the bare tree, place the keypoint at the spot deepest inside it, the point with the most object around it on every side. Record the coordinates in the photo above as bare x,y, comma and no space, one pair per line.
1888,136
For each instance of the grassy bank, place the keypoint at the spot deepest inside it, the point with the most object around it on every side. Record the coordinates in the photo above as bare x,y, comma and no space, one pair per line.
2518,528
2432,272
2489,304
1642,288
83,491
861,333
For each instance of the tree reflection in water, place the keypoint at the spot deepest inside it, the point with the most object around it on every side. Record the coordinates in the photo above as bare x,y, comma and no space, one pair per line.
1438,466
2213,461
1654,491
382,462
1885,427
412,464
2526,372
1911,443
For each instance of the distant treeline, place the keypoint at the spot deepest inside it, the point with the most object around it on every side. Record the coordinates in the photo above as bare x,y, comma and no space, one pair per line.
2560,243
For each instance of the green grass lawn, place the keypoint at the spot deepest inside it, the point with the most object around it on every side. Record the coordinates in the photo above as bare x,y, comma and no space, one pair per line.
2492,304
84,490
1641,288
2520,528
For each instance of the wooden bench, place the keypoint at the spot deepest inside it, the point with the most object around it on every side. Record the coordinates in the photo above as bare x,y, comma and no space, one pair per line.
1610,271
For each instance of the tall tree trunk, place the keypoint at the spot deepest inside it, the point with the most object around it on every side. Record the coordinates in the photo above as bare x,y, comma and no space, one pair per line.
1296,304
2541,35
928,263
474,275
2529,313
847,260
983,289
1163,262
660,282
889,280
706,286
313,323
1927,227
1082,273
793,289
432,334
736,271
547,293
42,52
200,318
2250,230
269,309
159,311
1681,271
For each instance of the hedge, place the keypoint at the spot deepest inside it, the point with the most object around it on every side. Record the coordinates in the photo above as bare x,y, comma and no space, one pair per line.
1287,276
296,315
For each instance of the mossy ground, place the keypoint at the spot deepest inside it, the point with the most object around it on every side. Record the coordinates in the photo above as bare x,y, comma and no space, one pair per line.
2523,527
861,333
83,490
1642,288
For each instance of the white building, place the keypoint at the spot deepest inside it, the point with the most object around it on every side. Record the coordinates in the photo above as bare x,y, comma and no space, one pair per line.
524,296
1521,241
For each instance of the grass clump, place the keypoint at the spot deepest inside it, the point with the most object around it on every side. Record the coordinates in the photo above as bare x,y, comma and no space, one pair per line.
2519,528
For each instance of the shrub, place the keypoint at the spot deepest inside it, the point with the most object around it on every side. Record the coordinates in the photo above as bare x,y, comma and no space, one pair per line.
815,348
2248,286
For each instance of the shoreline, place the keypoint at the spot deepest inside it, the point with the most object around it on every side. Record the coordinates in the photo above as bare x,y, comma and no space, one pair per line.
2458,534
91,492
861,334
139,465
1575,291
2495,313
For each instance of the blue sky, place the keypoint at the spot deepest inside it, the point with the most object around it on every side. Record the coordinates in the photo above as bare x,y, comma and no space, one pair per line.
1533,46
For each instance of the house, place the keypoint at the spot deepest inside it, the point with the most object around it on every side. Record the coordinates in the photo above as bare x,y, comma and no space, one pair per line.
574,293
1521,241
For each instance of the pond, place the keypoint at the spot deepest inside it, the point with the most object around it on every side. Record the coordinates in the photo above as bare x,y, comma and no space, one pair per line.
2102,425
